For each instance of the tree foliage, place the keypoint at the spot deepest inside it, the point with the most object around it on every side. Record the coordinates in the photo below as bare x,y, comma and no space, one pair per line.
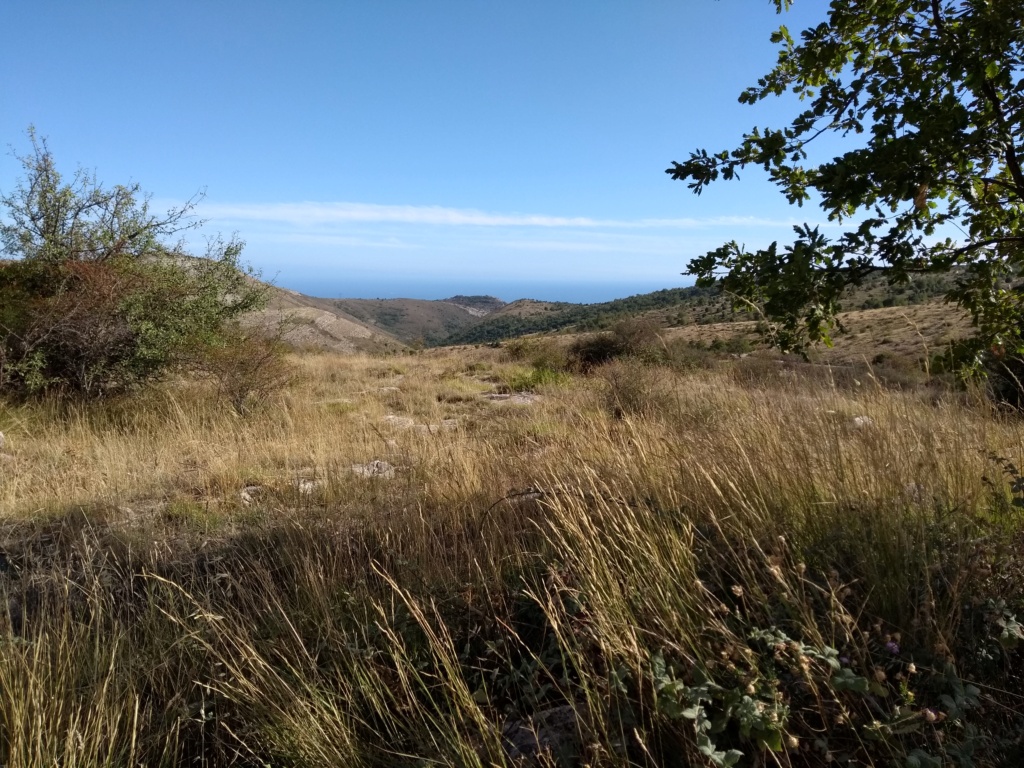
94,296
928,96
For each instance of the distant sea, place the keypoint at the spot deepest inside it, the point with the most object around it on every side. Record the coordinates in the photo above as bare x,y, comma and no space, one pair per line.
582,292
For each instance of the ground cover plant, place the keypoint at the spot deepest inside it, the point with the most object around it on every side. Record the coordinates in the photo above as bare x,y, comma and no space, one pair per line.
399,561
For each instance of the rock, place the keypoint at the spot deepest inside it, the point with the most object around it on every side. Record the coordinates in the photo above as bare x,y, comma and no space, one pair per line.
399,422
3,440
862,422
375,468
557,731
914,492
307,487
519,398
388,389
6,458
251,494
444,426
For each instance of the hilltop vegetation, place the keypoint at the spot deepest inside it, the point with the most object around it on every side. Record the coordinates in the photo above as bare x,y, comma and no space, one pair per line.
670,307
382,324
419,321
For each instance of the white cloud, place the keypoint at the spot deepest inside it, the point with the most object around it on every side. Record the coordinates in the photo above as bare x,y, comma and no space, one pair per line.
308,214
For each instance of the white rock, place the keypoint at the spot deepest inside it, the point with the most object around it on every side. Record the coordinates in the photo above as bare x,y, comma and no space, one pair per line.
444,426
307,487
399,422
558,731
519,398
250,494
2,439
375,468
862,422
914,492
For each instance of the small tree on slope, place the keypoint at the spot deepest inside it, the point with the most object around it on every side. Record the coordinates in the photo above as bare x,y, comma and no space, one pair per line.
94,298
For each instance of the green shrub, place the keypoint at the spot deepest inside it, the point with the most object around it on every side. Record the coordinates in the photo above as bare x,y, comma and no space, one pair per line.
95,300
247,368
529,379
588,352
631,337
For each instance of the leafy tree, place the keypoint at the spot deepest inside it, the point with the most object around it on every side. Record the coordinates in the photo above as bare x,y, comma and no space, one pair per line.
94,297
929,97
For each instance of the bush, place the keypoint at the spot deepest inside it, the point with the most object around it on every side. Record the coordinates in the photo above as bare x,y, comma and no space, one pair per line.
94,300
635,389
632,337
589,352
529,379
246,367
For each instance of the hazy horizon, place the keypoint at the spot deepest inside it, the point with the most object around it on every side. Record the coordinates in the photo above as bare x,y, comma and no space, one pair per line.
576,292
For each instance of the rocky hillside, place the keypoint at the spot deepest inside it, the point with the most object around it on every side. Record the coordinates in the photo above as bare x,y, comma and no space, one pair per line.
307,322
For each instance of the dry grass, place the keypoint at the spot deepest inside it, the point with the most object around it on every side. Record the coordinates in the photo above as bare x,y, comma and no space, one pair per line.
689,562
908,334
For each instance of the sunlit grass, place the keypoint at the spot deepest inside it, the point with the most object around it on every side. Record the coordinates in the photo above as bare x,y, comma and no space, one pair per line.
750,557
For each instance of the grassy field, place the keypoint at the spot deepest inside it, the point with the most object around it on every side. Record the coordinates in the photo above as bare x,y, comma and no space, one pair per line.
737,562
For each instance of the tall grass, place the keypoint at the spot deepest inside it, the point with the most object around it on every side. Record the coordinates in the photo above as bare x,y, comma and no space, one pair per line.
642,567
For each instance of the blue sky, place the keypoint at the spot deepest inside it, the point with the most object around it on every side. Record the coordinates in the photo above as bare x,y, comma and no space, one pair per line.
393,147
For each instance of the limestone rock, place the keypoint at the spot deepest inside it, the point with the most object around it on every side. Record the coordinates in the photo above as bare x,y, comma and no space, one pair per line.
557,732
308,487
251,494
375,468
518,398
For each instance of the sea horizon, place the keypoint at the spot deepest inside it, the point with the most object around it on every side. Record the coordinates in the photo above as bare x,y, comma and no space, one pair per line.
582,292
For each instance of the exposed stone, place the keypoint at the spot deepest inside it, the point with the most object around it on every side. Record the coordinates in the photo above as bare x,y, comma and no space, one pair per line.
914,492
862,422
404,422
399,422
557,732
251,494
519,398
375,468
3,440
430,429
307,487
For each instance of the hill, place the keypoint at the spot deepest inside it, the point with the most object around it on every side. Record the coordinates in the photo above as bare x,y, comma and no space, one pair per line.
380,325
674,307
412,321
312,323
